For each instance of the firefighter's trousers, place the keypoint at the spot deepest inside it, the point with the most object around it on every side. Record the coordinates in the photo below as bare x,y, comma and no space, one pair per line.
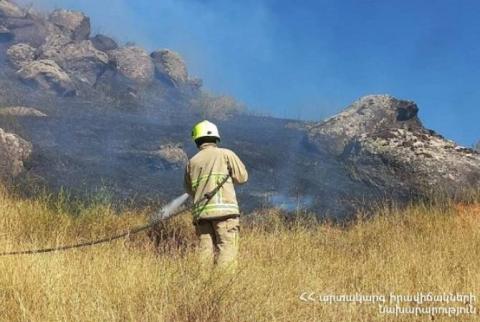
219,241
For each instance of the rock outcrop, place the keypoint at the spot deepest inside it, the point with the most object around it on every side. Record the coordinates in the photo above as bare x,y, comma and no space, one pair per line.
169,66
54,41
75,23
84,64
47,75
171,69
104,43
81,59
8,9
21,54
21,111
13,152
133,63
383,144
370,114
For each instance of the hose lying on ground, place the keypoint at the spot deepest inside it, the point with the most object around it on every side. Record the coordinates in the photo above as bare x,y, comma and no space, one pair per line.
126,233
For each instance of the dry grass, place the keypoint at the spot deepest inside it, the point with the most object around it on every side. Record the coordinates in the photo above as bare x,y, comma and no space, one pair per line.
420,249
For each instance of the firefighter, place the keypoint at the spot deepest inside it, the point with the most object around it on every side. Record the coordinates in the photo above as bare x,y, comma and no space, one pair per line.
216,219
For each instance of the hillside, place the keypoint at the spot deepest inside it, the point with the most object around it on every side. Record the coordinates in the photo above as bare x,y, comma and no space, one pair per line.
115,118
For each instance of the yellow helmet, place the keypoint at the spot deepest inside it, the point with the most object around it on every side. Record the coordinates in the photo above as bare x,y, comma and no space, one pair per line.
205,129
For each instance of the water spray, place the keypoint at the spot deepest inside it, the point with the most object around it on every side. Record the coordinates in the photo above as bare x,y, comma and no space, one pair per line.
168,211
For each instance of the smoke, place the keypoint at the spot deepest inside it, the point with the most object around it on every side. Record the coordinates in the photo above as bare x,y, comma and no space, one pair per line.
307,60
243,49
223,42
291,203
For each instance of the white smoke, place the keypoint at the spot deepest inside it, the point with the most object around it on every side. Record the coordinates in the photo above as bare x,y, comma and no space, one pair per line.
207,34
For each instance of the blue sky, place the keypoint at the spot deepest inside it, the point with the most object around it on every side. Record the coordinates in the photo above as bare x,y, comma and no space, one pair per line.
309,59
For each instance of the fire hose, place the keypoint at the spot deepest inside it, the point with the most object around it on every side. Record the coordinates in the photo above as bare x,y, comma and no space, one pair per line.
205,199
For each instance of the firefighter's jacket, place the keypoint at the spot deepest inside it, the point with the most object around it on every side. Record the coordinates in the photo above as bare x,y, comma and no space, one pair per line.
205,171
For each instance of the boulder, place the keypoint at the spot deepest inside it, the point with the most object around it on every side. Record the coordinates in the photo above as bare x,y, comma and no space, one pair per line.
47,75
54,41
21,111
74,23
80,59
8,9
133,63
370,114
21,54
382,143
104,43
13,152
173,155
170,67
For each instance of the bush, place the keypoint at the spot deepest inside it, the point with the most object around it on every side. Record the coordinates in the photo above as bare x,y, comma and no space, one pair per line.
217,107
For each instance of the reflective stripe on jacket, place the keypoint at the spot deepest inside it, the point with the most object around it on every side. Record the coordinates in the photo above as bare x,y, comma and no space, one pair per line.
205,171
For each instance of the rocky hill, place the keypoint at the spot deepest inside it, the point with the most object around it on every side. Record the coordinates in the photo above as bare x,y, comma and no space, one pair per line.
83,112
57,53
383,143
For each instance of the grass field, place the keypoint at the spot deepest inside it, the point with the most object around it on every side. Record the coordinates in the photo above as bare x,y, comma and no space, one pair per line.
419,249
